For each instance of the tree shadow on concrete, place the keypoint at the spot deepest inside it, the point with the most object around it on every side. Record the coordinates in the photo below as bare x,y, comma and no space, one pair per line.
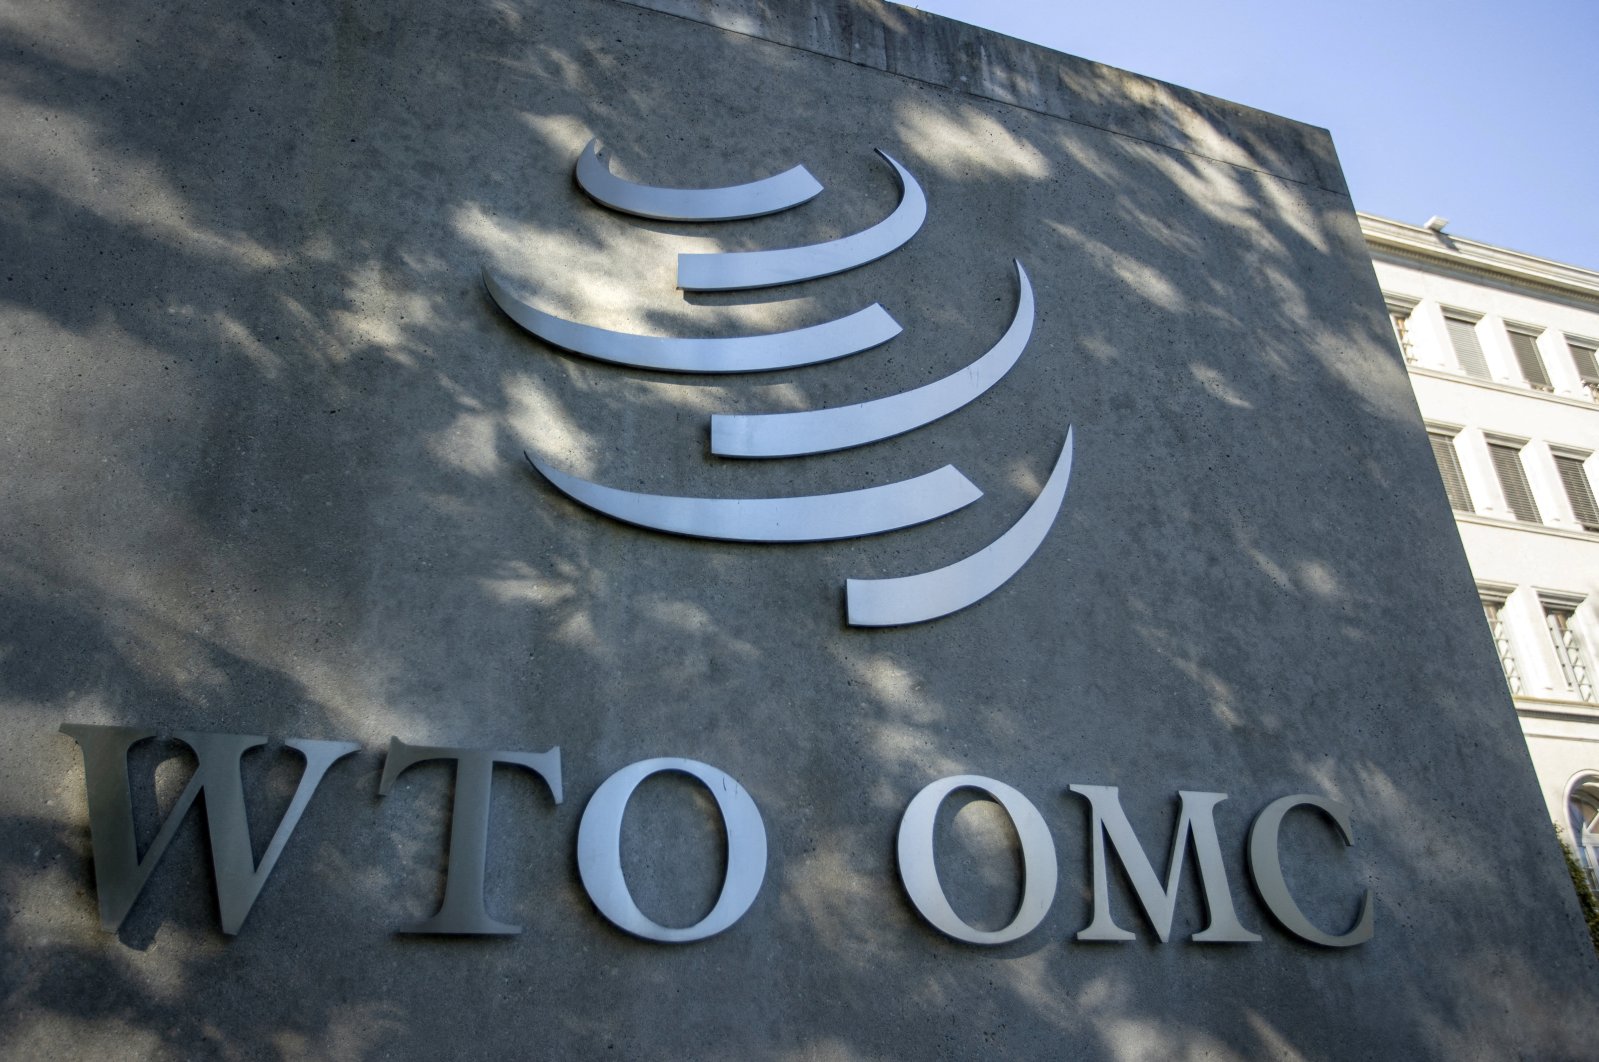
267,478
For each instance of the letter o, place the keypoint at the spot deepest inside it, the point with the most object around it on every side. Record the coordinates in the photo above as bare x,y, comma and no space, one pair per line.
599,850
919,872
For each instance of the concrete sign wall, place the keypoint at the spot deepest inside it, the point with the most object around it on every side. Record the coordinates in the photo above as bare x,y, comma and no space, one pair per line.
265,430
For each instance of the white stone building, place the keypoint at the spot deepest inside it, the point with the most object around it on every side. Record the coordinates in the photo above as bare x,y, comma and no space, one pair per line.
1501,348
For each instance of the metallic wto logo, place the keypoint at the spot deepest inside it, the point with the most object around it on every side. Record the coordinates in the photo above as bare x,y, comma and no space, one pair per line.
887,507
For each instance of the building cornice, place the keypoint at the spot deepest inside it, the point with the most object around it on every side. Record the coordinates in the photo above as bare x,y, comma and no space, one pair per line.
1505,523
1414,243
1564,711
1517,390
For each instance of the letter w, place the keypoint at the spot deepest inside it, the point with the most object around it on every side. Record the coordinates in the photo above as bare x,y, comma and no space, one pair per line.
119,873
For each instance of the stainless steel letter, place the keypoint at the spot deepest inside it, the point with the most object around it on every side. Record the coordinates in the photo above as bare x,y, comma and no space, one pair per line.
813,518
120,875
815,431
733,271
928,595
780,192
827,341
1265,866
599,851
462,910
1197,821
919,871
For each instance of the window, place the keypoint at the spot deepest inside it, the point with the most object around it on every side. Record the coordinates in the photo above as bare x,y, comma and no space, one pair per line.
1400,319
1443,451
1492,606
1578,491
1561,617
1525,346
1513,481
1399,307
1585,355
1582,811
1463,337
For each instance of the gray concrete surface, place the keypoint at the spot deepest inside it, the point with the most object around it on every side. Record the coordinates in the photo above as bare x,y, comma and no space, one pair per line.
264,431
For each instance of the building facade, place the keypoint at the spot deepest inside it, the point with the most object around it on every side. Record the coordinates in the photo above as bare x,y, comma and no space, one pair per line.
1501,349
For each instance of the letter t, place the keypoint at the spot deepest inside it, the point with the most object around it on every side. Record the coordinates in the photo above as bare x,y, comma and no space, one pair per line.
463,910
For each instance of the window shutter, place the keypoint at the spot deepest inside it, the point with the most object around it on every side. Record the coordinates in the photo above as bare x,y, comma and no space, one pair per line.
1443,451
1463,337
1526,348
1513,480
1587,364
1578,491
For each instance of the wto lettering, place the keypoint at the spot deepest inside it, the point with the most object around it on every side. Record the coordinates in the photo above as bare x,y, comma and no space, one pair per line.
121,876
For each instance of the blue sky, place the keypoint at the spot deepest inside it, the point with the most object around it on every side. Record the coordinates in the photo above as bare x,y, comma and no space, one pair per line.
1486,113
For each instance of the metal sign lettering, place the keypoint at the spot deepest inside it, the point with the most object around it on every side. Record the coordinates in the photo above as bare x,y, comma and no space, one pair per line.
462,910
873,510
1196,822
121,876
599,851
1265,866
918,870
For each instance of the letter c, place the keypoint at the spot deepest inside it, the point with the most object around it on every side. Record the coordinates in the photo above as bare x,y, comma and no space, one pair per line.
1265,866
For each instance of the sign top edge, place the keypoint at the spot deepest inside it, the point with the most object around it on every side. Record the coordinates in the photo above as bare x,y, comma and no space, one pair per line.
990,65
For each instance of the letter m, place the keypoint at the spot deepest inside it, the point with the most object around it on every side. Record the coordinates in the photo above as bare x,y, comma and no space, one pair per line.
120,875
1196,821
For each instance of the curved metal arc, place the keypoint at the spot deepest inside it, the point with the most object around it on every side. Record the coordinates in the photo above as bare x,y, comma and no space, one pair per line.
929,595
815,431
812,518
738,270
755,199
827,341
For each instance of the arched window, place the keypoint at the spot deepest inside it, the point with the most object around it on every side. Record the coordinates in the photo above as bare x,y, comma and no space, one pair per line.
1582,818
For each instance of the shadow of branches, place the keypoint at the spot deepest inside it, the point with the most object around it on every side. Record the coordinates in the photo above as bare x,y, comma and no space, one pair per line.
265,435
